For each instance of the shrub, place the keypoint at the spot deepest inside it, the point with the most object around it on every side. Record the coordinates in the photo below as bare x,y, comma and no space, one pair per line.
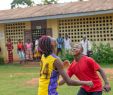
68,57
103,53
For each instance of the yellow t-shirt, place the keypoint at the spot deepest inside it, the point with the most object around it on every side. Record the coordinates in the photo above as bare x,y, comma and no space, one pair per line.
48,81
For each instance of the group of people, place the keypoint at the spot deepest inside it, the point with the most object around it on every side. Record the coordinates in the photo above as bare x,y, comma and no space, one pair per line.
83,67
67,45
63,43
29,50
26,51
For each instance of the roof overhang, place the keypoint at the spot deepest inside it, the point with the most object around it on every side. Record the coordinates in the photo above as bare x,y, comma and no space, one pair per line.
58,16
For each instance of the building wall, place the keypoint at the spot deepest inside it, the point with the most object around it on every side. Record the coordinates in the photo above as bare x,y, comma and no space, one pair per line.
2,41
53,24
38,24
98,29
14,31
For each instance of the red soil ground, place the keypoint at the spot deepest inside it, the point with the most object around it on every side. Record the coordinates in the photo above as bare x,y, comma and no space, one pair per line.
109,71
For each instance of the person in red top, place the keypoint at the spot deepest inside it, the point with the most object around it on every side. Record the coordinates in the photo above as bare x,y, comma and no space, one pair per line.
85,69
9,46
21,51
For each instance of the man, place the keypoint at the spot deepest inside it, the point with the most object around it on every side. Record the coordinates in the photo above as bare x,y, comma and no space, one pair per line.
85,68
60,44
86,46
67,44
36,43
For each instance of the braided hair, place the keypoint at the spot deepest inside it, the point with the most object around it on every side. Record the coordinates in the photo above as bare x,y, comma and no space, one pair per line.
45,45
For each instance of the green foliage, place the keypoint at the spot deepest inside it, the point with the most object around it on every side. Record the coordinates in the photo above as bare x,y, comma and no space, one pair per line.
17,3
68,57
45,2
103,53
1,60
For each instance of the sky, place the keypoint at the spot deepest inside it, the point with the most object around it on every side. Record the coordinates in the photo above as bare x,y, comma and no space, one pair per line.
5,4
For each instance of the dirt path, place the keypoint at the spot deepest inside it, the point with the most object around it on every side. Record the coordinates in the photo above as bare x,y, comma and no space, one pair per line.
31,64
32,82
109,71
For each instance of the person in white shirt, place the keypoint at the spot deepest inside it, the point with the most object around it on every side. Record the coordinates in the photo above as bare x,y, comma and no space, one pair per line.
67,44
37,55
86,45
36,44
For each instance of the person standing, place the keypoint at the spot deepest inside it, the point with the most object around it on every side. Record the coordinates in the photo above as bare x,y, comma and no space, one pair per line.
85,68
28,49
60,42
86,46
37,53
9,46
36,43
21,51
67,44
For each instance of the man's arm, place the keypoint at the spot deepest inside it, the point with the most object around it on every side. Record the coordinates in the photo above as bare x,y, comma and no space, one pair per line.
59,66
107,87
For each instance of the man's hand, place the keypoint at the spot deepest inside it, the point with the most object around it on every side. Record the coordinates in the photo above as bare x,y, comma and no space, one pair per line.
66,64
89,83
106,88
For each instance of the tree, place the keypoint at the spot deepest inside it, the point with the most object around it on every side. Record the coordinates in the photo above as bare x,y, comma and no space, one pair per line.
45,2
17,3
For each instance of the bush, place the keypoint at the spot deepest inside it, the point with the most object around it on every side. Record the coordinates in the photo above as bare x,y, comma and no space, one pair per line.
1,60
103,53
68,57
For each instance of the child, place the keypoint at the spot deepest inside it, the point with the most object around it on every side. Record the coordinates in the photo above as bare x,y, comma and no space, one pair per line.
28,48
21,51
51,68
85,68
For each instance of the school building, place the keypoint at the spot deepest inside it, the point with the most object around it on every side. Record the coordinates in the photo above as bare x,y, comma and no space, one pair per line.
93,18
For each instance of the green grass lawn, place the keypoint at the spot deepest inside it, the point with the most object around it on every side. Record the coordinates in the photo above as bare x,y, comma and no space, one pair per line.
19,80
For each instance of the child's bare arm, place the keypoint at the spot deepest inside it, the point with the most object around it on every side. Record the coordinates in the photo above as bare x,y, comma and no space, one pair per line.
61,82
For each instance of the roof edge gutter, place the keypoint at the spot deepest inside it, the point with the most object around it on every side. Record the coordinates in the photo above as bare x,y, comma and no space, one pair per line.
57,16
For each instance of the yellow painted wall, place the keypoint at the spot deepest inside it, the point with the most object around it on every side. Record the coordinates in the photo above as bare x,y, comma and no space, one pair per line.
2,42
28,25
16,57
54,25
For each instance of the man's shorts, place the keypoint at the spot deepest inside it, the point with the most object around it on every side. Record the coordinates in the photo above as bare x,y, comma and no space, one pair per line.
83,92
